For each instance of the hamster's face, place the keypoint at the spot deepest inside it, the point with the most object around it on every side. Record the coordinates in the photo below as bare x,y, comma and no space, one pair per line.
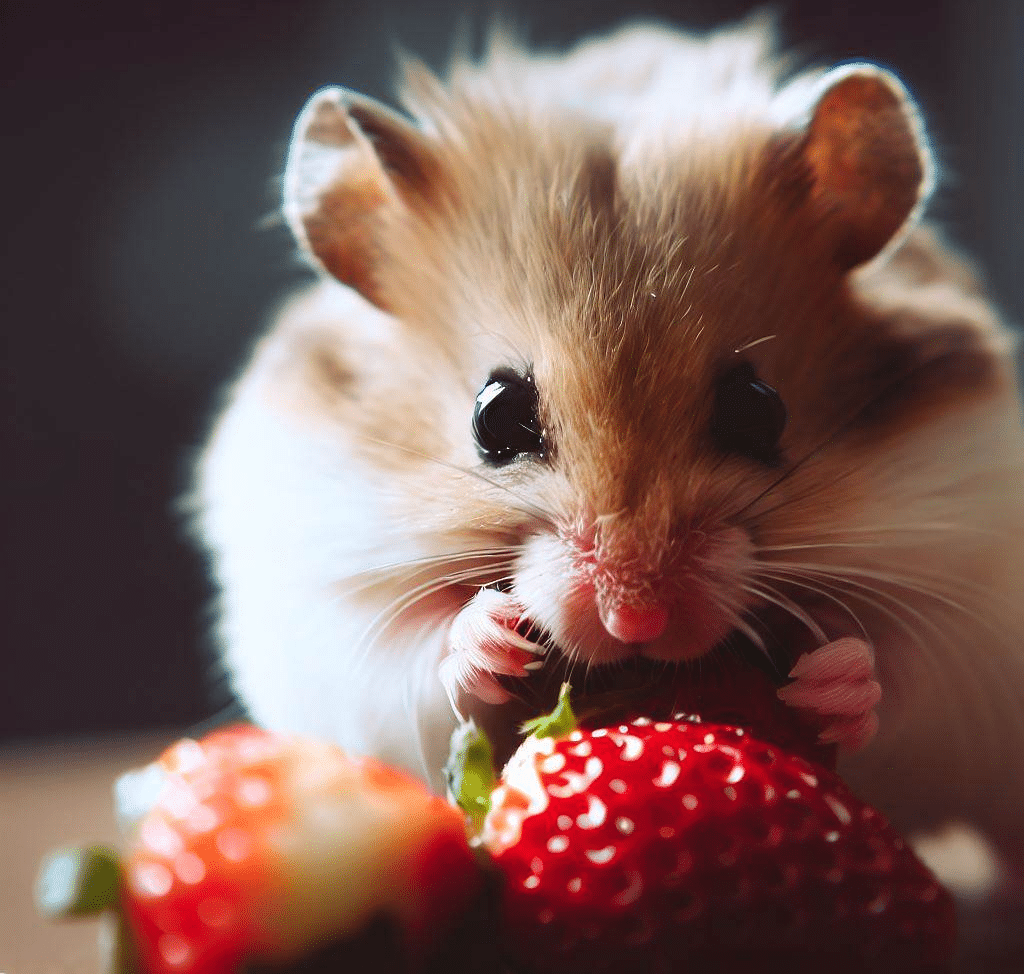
656,396
658,426
679,407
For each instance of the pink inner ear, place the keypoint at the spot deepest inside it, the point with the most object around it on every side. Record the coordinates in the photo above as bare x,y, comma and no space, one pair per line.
635,624
870,163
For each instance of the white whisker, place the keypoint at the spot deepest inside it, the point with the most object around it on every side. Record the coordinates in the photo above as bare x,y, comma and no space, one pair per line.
394,610
526,505
957,586
407,571
923,528
967,682
777,599
824,593
736,620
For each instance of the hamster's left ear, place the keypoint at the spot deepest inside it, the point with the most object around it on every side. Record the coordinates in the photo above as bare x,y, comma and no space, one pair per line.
870,168
353,165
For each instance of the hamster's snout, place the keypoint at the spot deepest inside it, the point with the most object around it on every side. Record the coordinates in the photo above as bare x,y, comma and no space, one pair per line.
627,573
606,596
634,623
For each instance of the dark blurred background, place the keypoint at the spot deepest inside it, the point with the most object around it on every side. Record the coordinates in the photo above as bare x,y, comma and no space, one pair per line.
140,149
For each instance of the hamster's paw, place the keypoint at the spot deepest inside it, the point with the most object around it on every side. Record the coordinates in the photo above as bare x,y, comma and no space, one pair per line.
837,684
483,644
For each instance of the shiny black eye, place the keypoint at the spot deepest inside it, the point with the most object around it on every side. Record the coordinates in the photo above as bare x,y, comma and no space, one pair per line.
749,416
505,420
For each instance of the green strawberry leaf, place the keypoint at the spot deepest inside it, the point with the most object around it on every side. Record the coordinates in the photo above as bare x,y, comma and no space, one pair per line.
120,950
78,882
559,723
470,772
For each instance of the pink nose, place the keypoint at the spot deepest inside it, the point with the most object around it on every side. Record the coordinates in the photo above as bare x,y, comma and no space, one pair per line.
635,624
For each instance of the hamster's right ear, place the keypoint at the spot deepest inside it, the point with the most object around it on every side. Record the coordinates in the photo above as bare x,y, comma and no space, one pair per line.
352,164
870,168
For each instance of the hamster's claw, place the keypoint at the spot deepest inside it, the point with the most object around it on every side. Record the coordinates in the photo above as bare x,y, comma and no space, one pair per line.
837,683
483,644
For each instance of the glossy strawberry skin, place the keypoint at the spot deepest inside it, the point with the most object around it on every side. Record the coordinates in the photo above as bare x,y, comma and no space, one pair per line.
664,845
196,858
263,847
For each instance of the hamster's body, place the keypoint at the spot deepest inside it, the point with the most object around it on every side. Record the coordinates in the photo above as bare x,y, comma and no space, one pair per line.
637,235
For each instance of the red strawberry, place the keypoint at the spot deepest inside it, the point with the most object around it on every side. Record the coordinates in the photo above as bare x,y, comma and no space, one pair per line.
264,847
657,845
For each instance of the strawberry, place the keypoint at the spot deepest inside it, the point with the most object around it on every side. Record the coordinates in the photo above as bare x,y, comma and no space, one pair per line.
260,848
661,844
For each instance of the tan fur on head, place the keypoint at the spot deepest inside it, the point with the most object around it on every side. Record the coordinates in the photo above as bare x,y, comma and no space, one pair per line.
627,223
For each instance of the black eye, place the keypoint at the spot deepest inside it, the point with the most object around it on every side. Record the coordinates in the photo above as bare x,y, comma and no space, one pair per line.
505,422
749,416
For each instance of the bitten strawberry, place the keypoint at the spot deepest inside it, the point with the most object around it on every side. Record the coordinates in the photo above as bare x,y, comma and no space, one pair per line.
263,847
660,845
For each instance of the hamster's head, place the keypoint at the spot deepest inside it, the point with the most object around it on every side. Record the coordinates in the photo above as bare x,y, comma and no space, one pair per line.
669,386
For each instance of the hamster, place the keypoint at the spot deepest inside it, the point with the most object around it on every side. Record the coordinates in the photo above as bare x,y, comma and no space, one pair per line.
632,353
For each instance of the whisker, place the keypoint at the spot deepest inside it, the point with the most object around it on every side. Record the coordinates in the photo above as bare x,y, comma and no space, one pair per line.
412,697
922,529
957,607
840,428
756,341
794,579
393,572
777,599
939,668
914,527
824,545
915,636
736,621
527,506
398,607
791,579
443,558
957,585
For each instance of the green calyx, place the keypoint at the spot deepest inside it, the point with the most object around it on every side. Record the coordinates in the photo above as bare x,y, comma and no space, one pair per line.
87,882
78,882
470,772
122,955
559,723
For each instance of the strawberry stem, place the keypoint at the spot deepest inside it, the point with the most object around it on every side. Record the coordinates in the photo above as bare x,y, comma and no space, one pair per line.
470,772
559,723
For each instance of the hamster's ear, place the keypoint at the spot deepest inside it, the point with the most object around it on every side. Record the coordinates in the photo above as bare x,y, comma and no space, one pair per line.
351,161
870,168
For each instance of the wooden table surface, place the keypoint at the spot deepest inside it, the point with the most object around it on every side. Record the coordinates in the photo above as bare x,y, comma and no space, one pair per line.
59,793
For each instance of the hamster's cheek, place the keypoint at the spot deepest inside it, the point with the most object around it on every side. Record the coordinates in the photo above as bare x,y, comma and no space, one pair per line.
560,599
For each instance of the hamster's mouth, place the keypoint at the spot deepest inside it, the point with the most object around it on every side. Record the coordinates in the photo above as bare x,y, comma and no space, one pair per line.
785,639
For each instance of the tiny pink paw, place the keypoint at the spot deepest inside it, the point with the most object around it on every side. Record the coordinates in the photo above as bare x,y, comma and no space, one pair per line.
837,683
483,644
